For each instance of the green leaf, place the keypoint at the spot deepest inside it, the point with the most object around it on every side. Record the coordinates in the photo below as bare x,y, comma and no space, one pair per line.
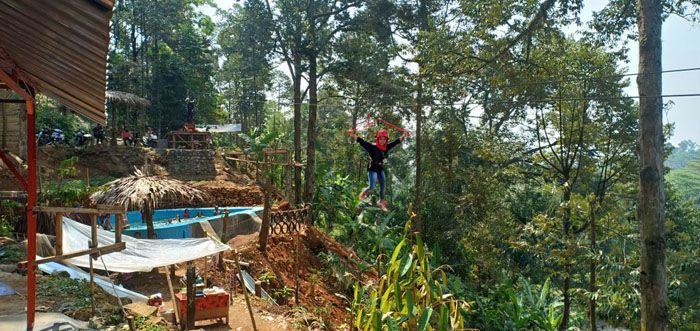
444,318
424,318
391,323
406,264
410,304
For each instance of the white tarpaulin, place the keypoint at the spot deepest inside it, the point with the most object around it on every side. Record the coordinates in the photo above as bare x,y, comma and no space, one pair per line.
220,128
140,255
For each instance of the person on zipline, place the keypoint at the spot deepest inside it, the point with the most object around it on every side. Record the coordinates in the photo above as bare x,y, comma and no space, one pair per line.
377,152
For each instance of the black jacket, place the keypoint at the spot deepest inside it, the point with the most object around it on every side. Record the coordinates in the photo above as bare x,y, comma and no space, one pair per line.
376,155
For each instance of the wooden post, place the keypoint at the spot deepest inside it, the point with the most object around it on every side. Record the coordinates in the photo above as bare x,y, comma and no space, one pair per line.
191,296
176,308
258,289
117,228
288,178
87,176
59,234
131,322
92,280
204,272
93,223
247,300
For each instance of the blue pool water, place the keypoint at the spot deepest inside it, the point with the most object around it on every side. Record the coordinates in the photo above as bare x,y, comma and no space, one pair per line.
166,225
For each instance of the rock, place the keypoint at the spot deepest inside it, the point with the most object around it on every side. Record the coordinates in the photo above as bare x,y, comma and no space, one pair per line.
42,308
141,309
65,307
153,320
8,267
82,314
97,322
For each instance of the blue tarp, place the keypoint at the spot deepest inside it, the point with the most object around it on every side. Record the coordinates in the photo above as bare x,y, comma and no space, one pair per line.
6,289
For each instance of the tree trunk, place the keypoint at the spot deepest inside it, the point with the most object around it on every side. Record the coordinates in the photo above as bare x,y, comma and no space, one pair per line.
564,324
150,231
311,131
651,210
419,174
592,287
297,130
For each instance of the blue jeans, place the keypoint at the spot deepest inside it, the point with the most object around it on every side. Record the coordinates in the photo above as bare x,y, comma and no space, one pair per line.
373,176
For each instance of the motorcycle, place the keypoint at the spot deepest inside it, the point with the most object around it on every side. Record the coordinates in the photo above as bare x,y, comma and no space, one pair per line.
150,140
50,137
57,137
82,138
43,137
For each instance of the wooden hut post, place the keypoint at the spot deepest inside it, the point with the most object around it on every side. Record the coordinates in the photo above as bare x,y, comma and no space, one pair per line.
59,234
118,228
191,299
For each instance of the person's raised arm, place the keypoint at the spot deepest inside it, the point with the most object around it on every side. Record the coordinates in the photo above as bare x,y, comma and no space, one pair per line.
405,134
397,141
352,134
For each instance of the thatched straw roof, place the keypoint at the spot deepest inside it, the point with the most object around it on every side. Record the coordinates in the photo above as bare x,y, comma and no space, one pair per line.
127,98
141,190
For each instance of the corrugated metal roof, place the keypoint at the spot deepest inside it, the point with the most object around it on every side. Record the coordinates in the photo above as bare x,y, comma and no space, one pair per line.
62,46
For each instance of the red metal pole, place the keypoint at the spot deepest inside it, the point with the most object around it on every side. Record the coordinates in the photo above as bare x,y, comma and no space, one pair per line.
31,218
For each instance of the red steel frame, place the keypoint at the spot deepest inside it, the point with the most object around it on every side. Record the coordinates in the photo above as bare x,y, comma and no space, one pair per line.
27,93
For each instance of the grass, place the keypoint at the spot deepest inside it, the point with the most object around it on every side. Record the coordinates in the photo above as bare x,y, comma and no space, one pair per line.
58,285
141,325
11,254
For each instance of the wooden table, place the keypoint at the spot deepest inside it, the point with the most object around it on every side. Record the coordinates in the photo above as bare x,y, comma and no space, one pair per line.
206,307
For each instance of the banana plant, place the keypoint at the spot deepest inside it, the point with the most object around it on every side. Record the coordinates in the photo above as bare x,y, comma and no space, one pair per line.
411,295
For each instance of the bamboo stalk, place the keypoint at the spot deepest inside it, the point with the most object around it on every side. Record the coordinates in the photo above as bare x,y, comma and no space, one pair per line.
92,282
247,300
176,307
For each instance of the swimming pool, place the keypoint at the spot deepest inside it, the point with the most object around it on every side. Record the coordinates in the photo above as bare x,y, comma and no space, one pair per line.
166,225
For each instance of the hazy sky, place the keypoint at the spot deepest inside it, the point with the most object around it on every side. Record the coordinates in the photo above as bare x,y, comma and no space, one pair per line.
681,49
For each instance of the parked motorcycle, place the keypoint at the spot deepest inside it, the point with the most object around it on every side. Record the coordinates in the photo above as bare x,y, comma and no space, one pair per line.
57,137
150,140
50,137
82,138
43,137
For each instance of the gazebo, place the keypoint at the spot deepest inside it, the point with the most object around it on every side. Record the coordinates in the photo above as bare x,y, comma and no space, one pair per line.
146,193
57,48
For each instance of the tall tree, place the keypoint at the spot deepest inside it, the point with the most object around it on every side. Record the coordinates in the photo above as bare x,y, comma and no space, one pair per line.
324,20
651,210
245,38
290,42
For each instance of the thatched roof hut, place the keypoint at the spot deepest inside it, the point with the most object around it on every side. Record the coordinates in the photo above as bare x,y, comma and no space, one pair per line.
127,98
146,193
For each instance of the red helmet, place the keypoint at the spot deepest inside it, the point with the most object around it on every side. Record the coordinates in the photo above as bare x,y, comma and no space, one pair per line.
381,133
